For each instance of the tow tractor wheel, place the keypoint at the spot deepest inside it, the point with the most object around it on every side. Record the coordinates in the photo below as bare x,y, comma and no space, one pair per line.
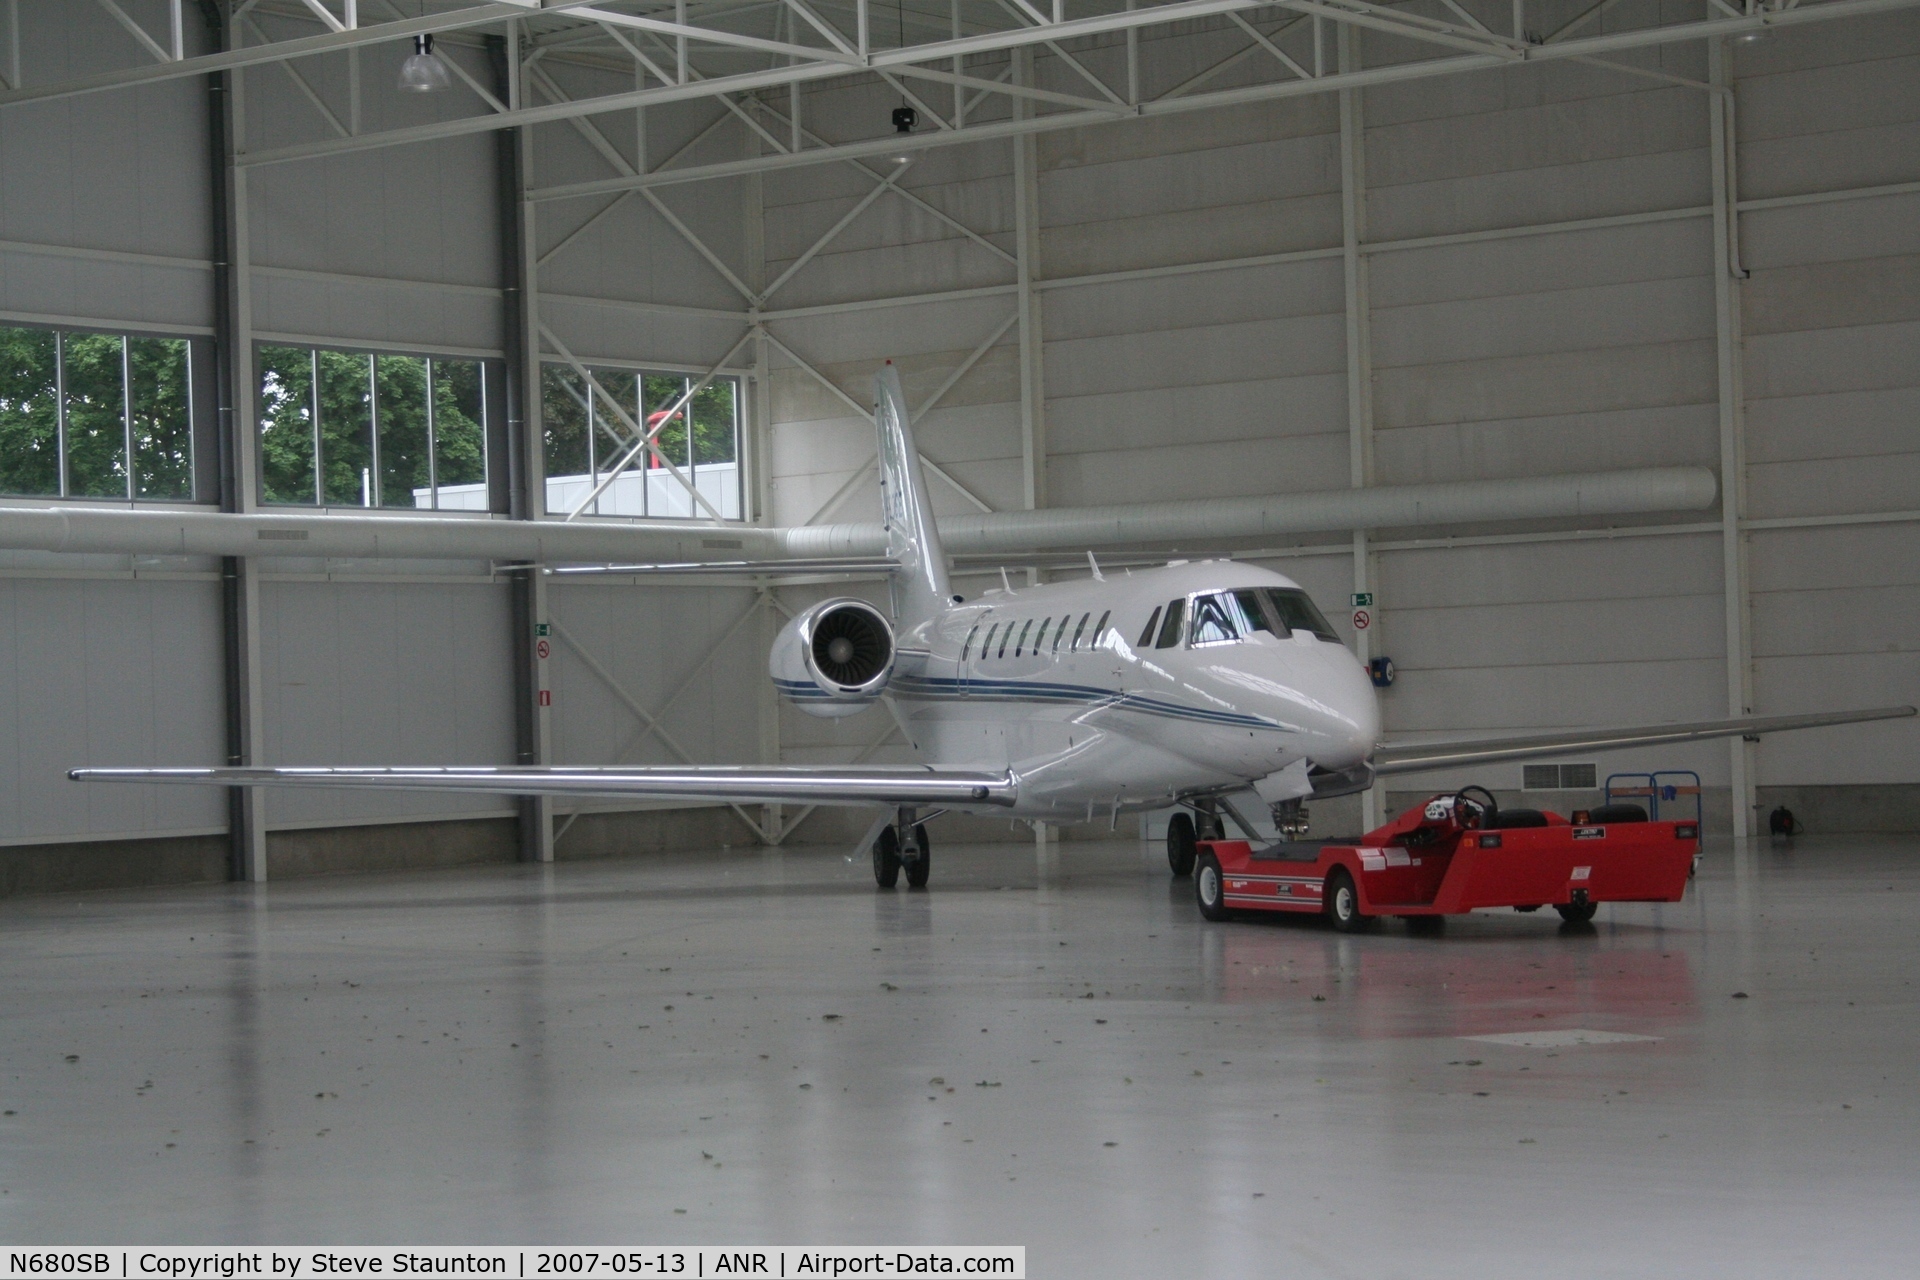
1578,912
886,859
1341,901
1180,846
917,869
1209,889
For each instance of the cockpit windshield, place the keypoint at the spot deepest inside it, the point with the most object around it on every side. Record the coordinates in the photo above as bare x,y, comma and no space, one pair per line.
1213,621
1293,611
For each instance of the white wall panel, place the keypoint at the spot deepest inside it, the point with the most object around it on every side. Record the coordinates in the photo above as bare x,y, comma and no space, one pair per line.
107,673
669,649
376,673
123,171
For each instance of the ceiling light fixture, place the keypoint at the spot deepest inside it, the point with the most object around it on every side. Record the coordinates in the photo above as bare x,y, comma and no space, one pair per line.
423,72
904,116
904,119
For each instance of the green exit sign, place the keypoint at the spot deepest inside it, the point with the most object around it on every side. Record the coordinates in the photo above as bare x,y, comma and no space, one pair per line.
542,629
1363,599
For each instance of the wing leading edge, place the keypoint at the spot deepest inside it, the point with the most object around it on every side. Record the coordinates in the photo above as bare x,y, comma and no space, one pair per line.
741,784
1415,756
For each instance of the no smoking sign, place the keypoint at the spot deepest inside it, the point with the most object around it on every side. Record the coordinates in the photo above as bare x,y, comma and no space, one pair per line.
1362,619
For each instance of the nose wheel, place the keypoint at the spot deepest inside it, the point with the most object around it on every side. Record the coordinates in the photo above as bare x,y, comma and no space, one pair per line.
903,846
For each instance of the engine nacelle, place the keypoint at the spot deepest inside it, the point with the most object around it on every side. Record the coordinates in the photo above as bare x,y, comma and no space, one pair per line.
834,659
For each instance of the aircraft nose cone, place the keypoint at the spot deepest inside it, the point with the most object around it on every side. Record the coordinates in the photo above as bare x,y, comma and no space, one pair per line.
1357,731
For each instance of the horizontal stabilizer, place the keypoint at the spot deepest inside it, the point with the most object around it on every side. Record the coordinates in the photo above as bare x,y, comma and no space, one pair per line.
1415,756
722,784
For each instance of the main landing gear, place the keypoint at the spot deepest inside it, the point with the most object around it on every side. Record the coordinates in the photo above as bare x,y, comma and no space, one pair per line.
1183,832
903,846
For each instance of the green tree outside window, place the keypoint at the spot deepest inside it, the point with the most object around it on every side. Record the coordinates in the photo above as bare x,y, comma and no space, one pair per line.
29,412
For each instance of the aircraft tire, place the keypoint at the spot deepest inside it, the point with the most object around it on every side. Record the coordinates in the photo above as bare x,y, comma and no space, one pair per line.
1210,888
921,867
1180,844
1578,912
1342,902
886,859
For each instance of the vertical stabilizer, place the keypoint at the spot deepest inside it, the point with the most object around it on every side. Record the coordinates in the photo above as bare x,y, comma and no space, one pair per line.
919,585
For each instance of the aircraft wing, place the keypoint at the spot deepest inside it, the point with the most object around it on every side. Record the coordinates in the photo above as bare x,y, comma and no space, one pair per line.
1412,757
736,784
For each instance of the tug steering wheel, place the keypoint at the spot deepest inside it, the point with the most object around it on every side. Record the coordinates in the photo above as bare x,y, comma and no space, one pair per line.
1469,813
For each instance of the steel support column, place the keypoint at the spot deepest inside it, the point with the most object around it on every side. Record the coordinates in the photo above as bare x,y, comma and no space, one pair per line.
1359,343
233,390
526,483
1733,469
1026,204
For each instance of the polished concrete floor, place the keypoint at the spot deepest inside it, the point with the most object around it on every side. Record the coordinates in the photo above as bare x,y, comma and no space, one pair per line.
1051,1050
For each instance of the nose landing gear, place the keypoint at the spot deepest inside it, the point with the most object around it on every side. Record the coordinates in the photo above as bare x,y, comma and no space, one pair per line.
903,846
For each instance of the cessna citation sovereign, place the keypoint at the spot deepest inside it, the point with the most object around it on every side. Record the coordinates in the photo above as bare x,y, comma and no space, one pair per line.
1198,685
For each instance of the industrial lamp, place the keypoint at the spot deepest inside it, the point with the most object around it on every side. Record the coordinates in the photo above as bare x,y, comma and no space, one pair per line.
904,119
423,72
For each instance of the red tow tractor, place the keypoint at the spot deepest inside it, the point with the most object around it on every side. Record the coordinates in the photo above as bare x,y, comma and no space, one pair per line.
1447,856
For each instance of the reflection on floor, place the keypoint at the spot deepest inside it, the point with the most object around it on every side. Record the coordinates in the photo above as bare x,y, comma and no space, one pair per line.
1051,1051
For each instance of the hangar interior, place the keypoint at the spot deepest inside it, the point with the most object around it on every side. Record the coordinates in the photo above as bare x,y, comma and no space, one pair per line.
1502,272
1125,252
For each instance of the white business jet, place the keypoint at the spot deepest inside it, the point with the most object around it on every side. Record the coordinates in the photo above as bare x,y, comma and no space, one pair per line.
1201,686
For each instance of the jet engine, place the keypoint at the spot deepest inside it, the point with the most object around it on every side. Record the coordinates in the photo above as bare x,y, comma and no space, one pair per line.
834,659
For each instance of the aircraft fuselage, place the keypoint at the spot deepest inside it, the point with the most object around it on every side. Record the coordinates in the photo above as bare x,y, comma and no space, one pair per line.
1098,705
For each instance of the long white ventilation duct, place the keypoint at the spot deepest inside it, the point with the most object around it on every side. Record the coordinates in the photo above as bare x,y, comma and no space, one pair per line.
1201,520
1205,520
367,537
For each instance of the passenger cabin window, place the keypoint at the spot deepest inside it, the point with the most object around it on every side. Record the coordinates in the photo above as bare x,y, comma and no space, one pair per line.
1170,629
1293,611
1213,622
1146,637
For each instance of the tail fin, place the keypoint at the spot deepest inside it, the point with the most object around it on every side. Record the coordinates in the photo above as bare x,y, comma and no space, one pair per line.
919,585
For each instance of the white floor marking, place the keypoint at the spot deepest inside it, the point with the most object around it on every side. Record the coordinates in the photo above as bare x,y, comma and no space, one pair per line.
1560,1039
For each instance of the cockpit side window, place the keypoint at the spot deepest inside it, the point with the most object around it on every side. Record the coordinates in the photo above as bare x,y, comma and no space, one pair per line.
1213,621
1297,612
1254,614
1146,637
1170,629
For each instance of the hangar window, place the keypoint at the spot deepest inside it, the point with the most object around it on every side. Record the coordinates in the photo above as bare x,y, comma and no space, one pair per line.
1021,643
595,457
1005,636
96,415
1060,632
359,429
1078,632
1099,629
967,648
